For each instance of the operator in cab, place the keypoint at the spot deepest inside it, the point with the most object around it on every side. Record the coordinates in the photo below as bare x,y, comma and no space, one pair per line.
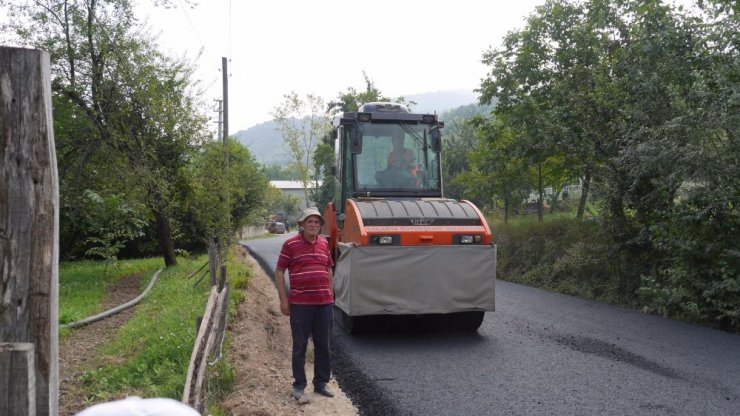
402,160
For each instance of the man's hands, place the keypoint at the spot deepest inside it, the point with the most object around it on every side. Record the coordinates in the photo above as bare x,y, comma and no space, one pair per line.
285,307
280,284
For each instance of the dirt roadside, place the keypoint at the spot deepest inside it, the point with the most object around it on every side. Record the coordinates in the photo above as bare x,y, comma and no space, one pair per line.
260,352
77,351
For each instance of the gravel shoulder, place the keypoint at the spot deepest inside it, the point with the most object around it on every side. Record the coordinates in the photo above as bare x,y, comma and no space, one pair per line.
260,351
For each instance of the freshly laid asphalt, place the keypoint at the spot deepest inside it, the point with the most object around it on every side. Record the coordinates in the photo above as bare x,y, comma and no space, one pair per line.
540,353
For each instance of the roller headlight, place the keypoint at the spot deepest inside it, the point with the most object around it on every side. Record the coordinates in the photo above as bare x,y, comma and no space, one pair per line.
385,239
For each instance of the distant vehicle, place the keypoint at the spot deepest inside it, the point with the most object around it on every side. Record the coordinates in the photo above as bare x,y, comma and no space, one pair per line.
276,227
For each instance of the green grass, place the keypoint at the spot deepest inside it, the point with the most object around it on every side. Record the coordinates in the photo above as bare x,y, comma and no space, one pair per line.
83,284
565,255
149,355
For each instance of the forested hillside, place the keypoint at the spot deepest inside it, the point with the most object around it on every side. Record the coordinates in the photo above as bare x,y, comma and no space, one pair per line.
266,143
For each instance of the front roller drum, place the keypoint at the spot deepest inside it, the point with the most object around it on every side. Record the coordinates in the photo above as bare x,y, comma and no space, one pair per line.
468,321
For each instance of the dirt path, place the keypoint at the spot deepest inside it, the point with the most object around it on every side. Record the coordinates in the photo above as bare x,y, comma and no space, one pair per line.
260,350
77,352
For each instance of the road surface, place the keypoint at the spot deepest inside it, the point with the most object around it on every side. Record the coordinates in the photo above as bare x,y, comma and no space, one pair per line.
540,353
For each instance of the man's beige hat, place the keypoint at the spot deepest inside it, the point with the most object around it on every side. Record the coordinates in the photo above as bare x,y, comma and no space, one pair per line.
309,212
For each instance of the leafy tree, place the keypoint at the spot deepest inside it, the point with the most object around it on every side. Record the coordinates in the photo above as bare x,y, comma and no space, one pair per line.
498,175
553,82
279,172
695,220
302,123
109,222
242,184
127,117
351,99
347,101
323,158
273,201
458,142
639,100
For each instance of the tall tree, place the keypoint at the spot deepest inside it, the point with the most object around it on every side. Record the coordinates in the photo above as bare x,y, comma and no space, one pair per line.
640,100
302,123
244,183
498,177
349,100
128,116
459,141
554,85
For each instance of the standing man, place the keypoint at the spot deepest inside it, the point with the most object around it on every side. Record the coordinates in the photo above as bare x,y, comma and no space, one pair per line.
309,304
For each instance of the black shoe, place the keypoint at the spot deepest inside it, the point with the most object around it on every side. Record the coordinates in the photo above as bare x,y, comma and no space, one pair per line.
298,395
323,390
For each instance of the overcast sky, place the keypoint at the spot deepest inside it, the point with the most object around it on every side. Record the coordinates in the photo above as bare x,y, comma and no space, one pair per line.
323,46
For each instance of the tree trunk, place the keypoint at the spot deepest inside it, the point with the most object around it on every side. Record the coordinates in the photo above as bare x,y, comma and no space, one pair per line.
506,210
164,235
540,217
555,204
584,194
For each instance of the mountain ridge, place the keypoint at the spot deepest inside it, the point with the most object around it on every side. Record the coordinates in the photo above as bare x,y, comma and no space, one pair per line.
267,147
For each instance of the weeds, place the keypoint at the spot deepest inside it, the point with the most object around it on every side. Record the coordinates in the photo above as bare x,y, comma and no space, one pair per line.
150,354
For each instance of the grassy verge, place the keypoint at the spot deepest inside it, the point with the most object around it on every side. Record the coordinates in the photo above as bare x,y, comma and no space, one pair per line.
661,270
566,255
84,284
149,355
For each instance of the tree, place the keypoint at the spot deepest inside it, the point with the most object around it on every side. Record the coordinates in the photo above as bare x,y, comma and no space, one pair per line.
279,172
694,226
323,177
458,143
127,117
302,124
553,80
349,100
640,101
243,185
497,175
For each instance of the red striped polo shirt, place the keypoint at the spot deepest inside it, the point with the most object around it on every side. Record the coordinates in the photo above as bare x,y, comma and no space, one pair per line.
307,264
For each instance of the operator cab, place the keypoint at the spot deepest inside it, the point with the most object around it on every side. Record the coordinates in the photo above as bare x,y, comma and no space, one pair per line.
383,150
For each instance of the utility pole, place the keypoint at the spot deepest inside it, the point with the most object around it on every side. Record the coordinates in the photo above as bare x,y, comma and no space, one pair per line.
220,120
225,74
226,201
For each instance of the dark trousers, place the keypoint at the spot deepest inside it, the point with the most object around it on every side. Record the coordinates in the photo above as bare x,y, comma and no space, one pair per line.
311,321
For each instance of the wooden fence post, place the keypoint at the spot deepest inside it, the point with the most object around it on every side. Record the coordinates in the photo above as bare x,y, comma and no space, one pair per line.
29,220
19,382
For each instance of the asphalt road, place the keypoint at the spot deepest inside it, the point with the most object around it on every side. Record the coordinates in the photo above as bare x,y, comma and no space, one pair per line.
540,353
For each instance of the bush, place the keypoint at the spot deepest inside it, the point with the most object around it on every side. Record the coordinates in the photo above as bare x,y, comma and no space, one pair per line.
685,267
568,256
698,278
